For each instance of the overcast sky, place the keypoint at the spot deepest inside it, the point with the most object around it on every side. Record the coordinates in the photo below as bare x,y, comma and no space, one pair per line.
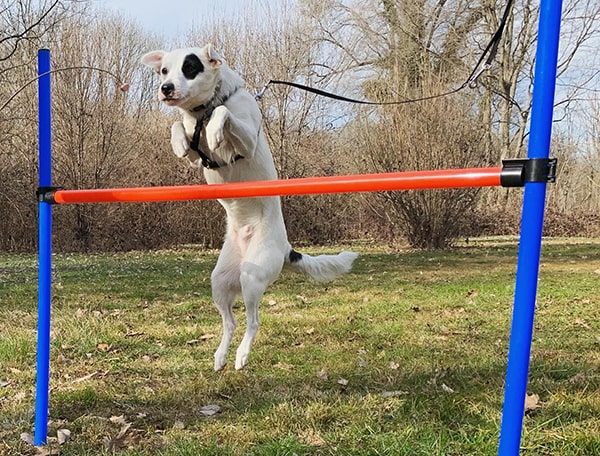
170,17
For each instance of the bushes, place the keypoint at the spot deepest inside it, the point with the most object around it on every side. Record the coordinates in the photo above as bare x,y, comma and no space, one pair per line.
104,139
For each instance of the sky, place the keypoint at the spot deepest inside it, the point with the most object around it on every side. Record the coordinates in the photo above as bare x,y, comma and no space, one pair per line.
170,18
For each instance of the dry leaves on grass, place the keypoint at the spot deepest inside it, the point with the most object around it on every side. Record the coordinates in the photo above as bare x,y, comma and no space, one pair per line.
124,438
63,435
387,394
312,437
103,347
96,374
53,444
472,294
532,402
322,374
210,410
202,338
581,322
303,298
436,382
446,389
178,424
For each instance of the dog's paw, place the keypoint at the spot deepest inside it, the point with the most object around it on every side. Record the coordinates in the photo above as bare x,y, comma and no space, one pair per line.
179,141
194,159
215,127
180,149
241,363
241,359
220,361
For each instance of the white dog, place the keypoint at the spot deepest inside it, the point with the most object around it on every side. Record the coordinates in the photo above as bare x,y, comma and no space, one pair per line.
221,131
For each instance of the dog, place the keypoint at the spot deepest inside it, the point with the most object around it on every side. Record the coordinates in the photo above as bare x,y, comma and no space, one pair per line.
221,131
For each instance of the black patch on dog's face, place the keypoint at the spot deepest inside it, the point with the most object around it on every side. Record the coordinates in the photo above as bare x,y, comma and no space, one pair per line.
191,66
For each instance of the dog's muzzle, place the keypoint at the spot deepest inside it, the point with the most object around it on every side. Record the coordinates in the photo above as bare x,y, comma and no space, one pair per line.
167,89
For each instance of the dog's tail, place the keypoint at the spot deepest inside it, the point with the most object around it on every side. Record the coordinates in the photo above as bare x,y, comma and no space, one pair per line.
322,268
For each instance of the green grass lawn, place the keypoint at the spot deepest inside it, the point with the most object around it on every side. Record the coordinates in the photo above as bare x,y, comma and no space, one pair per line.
404,356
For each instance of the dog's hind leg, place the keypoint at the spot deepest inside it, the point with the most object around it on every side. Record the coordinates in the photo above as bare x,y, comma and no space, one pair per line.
225,288
253,289
224,299
254,279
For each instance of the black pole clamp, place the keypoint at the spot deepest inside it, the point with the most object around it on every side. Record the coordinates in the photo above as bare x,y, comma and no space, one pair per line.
517,172
46,194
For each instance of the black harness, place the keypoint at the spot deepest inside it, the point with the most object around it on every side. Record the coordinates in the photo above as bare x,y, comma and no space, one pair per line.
208,162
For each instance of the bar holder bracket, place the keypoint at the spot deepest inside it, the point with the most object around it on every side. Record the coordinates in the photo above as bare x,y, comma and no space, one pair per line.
517,172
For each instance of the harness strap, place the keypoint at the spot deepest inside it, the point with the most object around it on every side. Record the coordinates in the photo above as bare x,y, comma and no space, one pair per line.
207,162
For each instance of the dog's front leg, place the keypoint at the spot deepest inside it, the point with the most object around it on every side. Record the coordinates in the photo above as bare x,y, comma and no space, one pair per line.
215,126
241,133
180,143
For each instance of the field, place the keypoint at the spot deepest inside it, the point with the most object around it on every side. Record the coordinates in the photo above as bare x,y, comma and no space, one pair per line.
404,356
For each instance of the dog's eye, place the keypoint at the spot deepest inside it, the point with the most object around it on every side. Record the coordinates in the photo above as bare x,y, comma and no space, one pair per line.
164,71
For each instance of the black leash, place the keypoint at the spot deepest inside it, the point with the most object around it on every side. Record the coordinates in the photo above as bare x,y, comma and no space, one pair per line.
491,49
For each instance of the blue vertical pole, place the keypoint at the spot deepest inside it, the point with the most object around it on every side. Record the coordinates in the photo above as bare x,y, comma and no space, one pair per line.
45,249
544,85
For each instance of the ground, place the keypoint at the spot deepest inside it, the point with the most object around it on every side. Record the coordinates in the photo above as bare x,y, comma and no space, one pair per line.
406,355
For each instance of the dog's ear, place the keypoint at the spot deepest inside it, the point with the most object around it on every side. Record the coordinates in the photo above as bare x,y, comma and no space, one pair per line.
213,56
153,60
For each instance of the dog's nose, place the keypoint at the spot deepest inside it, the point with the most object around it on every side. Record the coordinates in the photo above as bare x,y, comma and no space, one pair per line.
168,88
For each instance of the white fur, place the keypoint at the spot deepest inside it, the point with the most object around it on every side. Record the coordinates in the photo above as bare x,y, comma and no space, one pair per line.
256,246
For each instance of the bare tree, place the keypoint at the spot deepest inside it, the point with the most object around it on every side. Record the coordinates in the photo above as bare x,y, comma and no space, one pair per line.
417,51
509,86
399,48
24,26
26,21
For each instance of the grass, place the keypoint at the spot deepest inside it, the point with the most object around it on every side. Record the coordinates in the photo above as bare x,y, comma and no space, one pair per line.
406,355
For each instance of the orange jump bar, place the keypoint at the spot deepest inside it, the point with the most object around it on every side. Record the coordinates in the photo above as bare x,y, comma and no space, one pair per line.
415,180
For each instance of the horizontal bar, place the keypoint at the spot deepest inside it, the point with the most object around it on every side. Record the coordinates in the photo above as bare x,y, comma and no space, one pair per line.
416,180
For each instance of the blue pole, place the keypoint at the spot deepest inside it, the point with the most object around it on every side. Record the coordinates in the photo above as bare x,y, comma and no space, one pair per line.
45,250
531,230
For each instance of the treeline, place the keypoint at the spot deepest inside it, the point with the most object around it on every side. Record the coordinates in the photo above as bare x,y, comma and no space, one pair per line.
378,50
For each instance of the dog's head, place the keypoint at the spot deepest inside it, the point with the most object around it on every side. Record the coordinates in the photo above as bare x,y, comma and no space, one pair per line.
189,77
